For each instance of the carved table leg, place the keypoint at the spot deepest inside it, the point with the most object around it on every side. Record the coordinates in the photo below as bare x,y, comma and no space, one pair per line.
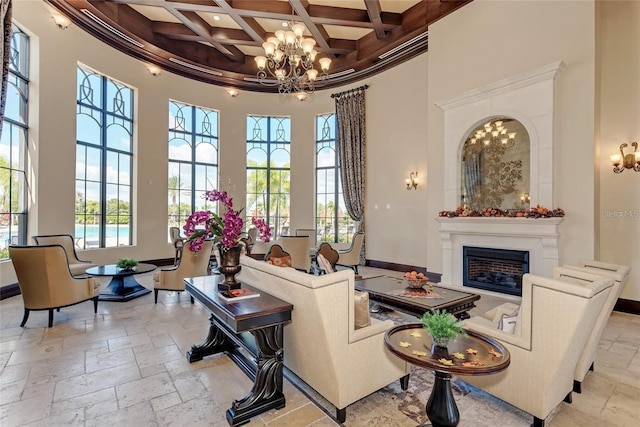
441,407
266,392
216,342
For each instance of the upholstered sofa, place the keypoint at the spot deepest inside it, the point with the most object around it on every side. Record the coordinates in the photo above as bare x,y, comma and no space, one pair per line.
552,326
321,344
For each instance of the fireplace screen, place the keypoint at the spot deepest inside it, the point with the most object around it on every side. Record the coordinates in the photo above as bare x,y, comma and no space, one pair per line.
498,270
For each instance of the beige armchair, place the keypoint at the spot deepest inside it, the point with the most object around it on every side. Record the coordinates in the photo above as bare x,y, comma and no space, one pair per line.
77,266
351,257
192,264
298,248
553,325
620,275
46,282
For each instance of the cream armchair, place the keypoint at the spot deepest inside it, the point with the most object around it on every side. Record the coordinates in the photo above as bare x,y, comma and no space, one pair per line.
351,257
553,325
620,275
192,264
46,282
298,248
77,266
322,344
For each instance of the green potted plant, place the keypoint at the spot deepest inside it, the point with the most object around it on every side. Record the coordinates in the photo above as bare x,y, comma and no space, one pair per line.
126,263
442,326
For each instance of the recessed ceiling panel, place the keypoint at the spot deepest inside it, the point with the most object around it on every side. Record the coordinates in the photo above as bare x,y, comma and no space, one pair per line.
155,13
224,21
348,33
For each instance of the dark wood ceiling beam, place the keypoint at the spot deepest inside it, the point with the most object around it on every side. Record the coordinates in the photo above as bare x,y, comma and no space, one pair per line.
229,10
190,5
374,9
351,17
300,7
201,27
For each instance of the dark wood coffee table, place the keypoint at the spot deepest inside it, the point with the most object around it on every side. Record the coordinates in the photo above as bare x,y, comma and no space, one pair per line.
388,292
123,286
475,354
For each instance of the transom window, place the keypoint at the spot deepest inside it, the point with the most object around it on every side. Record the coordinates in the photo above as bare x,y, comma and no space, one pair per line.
269,171
333,223
193,159
13,147
104,161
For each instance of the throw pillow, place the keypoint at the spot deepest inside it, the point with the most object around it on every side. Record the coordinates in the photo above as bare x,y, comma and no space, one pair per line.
362,318
284,261
507,322
325,264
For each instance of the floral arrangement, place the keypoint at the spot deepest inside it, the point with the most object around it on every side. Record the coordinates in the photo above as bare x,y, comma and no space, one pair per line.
535,212
226,229
263,228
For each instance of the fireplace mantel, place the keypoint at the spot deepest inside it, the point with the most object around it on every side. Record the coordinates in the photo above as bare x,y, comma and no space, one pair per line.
538,236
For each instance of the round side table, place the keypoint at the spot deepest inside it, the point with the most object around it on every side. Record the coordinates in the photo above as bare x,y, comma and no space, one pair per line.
475,354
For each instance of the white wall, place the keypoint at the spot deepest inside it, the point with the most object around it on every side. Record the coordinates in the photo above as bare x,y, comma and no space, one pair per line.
486,41
618,210
478,44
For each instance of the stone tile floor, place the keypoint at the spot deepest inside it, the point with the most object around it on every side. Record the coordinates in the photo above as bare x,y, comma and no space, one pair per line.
126,366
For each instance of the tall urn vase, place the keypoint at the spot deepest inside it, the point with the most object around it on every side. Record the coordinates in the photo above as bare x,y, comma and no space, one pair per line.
229,266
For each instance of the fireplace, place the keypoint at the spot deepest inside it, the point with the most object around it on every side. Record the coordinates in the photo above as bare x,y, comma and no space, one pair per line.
498,270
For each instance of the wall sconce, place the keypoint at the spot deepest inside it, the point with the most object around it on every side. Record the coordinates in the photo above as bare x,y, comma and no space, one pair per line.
412,181
154,71
300,96
232,93
525,198
61,21
626,161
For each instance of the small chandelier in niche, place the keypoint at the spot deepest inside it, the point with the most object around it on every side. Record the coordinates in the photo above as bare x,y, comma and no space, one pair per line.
289,57
494,133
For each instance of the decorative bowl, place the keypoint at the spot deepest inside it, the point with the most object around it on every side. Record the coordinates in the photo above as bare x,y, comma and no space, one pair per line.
415,283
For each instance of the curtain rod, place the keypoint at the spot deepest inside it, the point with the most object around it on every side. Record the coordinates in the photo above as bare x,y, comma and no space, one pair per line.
335,95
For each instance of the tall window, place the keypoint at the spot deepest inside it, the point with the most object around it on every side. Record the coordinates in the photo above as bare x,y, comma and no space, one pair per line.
193,159
269,171
104,160
13,147
333,223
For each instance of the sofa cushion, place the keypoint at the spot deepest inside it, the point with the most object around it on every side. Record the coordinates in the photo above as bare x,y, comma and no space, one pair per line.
325,264
362,318
284,261
508,322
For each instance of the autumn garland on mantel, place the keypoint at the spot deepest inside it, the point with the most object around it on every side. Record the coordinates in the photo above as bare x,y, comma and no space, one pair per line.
535,212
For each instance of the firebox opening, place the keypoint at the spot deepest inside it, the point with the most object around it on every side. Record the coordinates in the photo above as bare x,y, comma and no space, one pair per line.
498,270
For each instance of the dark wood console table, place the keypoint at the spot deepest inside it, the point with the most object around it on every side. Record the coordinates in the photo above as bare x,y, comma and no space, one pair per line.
254,324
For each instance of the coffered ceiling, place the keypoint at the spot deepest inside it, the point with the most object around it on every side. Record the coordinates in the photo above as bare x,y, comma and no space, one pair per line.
216,40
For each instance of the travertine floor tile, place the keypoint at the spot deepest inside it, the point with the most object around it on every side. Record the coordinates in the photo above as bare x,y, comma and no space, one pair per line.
127,367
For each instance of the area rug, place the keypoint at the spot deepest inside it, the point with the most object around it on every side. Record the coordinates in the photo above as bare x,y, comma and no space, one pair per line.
393,407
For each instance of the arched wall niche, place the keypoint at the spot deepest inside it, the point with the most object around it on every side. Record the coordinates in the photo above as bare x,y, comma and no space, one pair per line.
527,97
495,167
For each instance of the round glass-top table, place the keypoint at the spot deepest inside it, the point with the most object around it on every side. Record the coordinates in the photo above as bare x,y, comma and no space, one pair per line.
475,354
123,286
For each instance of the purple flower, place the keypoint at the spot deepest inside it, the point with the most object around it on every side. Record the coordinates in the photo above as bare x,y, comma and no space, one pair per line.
263,228
203,225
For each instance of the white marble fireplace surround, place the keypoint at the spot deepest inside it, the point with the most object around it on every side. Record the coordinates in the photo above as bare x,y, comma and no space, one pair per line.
529,98
539,237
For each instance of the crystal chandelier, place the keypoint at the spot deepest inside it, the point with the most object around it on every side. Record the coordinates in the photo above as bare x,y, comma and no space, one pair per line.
289,58
494,133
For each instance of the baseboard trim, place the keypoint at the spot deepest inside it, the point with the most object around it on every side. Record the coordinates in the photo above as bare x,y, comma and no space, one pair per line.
9,291
627,306
13,289
434,277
